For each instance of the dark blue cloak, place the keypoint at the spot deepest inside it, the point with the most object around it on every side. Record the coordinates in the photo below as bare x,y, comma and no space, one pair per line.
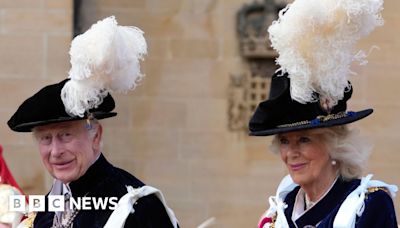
378,212
104,180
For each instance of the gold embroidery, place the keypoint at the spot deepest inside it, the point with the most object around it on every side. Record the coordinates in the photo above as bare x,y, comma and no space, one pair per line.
332,116
374,189
28,222
305,122
317,120
273,221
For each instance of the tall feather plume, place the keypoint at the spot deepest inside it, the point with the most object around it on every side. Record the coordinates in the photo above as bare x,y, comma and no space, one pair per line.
316,39
106,58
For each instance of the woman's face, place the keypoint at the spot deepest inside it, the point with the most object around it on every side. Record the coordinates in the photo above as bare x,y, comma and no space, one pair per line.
306,157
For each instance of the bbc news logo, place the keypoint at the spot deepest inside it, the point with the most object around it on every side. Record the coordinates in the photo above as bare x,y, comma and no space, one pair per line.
37,203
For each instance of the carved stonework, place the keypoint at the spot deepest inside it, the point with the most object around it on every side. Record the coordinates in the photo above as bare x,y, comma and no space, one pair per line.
248,89
259,80
252,23
237,110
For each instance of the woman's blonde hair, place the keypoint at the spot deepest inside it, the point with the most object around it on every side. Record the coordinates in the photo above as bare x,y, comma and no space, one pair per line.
347,147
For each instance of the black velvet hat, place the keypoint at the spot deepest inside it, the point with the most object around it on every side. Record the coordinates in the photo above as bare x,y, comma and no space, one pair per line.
280,113
46,107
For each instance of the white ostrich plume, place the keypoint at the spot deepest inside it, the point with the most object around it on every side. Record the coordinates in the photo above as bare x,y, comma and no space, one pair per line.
316,39
106,58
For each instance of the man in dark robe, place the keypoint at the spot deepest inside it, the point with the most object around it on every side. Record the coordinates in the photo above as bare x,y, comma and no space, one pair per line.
70,148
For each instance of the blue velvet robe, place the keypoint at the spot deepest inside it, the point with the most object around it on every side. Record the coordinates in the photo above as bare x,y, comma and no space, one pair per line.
104,180
378,212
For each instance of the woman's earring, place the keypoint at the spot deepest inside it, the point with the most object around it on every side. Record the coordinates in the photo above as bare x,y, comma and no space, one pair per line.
333,162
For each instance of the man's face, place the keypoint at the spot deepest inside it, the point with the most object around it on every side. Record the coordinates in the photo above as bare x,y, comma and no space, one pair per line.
68,149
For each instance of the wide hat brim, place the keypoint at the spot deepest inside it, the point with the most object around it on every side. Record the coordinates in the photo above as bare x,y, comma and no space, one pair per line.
312,124
27,127
46,107
281,114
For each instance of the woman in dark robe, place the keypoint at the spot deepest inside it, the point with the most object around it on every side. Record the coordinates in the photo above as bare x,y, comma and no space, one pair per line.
307,113
325,160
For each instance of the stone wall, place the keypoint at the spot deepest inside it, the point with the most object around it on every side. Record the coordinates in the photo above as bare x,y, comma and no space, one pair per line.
172,131
34,42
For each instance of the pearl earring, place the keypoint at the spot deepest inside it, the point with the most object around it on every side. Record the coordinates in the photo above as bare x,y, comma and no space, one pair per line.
333,162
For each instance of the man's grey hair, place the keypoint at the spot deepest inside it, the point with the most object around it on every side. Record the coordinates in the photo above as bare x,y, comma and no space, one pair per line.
347,147
92,127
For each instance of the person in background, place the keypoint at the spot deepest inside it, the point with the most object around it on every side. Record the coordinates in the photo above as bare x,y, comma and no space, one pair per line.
64,119
8,187
308,117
